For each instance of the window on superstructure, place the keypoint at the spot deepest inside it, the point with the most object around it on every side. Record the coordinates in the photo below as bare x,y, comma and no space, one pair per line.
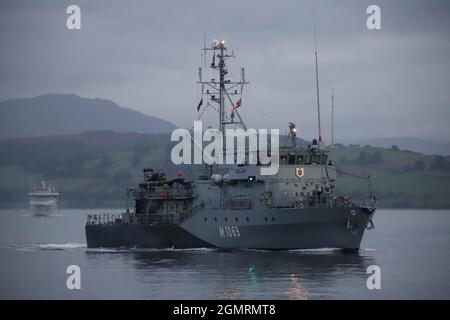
283,159
291,159
307,159
300,159
316,159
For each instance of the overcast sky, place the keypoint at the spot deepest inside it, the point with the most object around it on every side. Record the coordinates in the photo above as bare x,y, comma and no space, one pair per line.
144,55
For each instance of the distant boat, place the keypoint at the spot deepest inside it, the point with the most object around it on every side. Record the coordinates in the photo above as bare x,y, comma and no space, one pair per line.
44,199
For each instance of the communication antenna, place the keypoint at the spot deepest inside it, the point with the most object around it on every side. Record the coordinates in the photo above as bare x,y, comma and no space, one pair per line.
203,52
317,80
332,116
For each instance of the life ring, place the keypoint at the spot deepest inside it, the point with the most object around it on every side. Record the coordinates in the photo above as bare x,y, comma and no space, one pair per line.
353,212
269,202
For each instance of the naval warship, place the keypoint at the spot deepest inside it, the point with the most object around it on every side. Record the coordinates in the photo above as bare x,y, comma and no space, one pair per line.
233,206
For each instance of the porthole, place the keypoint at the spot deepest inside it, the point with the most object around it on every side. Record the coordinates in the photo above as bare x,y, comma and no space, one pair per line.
265,218
248,220
236,219
206,219
226,219
215,219
273,219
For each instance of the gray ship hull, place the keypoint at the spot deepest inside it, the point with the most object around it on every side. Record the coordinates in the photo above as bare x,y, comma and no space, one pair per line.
141,236
273,229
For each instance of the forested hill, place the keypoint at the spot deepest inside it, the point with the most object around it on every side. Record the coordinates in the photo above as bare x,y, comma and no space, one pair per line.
93,169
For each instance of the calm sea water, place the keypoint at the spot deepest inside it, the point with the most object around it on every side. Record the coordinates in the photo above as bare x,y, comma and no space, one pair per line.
410,246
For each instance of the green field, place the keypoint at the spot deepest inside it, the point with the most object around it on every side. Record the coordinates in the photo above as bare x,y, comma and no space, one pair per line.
399,178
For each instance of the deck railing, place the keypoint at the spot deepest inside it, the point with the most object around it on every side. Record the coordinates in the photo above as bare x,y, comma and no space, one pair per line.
131,218
104,218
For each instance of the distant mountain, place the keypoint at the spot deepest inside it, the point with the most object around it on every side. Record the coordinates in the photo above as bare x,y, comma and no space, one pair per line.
424,146
56,114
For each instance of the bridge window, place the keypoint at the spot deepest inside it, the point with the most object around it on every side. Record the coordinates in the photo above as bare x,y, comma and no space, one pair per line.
307,159
316,159
291,159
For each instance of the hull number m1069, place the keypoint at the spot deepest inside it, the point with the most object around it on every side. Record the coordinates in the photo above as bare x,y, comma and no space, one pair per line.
229,232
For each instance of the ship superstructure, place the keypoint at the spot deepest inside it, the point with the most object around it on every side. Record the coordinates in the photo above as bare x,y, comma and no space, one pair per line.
43,199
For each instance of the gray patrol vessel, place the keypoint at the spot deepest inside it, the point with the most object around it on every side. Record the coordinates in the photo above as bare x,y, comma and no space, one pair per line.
234,206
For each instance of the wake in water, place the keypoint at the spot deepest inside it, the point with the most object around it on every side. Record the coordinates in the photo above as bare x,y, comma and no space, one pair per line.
112,250
312,251
316,251
41,216
363,250
72,246
48,246
306,251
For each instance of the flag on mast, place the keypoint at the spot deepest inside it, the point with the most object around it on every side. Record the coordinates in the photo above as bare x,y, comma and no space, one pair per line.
213,63
199,105
237,105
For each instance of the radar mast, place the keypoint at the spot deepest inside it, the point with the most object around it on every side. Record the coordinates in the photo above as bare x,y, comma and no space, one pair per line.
225,92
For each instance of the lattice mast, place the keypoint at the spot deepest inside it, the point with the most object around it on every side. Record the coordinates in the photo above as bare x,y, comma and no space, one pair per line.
224,92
